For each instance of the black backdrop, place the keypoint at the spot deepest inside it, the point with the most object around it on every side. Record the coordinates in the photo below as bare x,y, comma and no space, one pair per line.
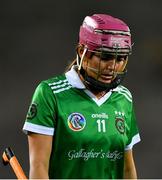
37,41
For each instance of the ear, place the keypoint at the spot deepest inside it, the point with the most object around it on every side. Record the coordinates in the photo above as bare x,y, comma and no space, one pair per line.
125,64
79,50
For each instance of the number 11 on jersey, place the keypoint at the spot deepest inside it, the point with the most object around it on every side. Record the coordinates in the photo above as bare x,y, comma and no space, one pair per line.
101,125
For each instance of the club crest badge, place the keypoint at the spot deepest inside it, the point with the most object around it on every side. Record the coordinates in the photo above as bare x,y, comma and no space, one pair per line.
32,111
76,122
120,125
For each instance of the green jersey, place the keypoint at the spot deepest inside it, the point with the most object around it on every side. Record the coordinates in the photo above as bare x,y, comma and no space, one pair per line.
90,134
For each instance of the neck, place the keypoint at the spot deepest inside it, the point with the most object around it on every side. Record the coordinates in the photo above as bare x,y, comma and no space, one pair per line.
99,95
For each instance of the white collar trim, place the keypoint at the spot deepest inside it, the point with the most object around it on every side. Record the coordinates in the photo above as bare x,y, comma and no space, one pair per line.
100,101
74,79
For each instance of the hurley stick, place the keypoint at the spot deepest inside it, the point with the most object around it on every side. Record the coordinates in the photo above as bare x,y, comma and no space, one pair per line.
9,158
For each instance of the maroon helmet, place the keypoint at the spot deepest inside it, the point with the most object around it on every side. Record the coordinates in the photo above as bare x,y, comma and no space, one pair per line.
101,32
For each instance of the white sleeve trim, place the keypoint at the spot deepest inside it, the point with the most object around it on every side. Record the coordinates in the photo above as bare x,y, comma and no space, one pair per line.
38,129
134,141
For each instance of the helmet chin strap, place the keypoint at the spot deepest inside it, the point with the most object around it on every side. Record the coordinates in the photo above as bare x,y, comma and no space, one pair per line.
100,86
81,60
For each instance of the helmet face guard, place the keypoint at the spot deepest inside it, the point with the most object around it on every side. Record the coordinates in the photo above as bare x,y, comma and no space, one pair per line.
105,33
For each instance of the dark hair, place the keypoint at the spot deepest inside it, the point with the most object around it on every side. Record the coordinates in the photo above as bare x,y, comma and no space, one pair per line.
73,62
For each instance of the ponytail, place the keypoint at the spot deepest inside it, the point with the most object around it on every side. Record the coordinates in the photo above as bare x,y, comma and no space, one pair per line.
74,62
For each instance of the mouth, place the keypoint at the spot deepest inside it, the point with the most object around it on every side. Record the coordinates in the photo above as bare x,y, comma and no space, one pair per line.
107,77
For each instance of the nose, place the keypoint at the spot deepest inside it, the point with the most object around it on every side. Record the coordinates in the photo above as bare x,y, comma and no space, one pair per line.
110,64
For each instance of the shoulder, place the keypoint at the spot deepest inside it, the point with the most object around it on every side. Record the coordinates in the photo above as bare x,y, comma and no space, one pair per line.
122,90
55,80
56,84
48,84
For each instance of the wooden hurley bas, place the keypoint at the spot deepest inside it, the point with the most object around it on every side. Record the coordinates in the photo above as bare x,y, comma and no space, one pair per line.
9,158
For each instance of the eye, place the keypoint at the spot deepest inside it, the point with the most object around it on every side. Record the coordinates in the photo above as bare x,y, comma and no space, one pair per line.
107,57
97,54
104,56
121,58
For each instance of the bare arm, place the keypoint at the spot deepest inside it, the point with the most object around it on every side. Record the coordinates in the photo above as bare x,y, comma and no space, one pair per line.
129,166
39,154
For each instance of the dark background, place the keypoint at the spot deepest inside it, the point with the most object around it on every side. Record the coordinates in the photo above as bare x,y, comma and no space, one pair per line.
37,41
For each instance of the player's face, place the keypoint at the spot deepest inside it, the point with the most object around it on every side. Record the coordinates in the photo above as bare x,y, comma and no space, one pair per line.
104,67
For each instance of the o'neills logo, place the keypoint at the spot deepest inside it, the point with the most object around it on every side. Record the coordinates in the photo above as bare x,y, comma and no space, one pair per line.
101,115
76,121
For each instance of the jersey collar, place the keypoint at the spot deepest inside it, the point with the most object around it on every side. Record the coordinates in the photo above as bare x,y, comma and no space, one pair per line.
74,79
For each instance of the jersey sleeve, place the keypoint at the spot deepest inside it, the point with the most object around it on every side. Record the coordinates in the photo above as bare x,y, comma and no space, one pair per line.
133,132
41,114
